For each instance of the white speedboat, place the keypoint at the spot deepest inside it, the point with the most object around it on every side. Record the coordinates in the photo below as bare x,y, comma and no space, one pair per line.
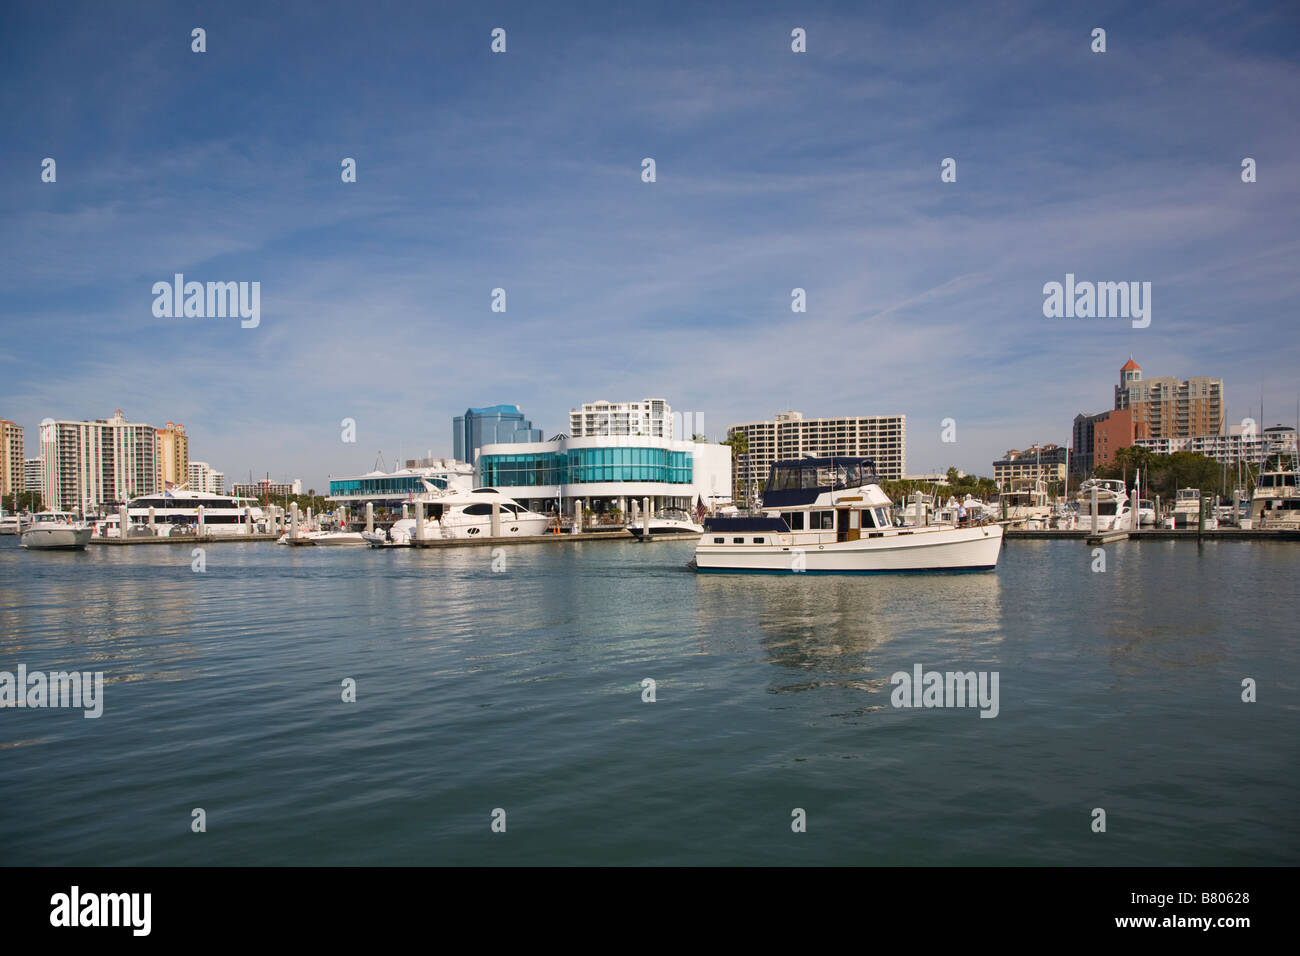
337,538
668,521
830,515
56,531
1113,506
468,514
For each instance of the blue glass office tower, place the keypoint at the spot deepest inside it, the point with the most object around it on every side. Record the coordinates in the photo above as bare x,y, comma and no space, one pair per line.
488,426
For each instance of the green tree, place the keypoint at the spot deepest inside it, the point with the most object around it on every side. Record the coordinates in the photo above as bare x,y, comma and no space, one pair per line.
739,445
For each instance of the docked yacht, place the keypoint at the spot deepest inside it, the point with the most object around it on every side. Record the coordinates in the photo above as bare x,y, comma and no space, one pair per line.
1114,510
13,523
667,521
337,538
173,512
468,514
1275,503
830,515
1146,511
1025,504
56,531
1187,509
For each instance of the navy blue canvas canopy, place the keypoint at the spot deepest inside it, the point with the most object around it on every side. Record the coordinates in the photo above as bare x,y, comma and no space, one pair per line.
798,481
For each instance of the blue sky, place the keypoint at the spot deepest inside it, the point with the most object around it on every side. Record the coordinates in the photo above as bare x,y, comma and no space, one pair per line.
522,170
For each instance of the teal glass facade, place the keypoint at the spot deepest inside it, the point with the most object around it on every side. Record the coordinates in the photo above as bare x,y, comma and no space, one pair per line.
586,466
388,485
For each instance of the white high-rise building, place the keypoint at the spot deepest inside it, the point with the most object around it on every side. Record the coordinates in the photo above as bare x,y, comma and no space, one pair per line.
32,474
882,438
93,463
649,418
203,478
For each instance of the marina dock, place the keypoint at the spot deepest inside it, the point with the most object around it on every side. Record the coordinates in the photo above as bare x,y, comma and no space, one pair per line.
1162,534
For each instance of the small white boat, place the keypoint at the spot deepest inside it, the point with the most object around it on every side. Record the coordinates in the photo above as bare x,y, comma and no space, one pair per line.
338,538
668,521
1146,511
830,515
56,531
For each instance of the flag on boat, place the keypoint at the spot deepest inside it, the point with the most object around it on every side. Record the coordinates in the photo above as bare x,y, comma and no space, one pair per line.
700,510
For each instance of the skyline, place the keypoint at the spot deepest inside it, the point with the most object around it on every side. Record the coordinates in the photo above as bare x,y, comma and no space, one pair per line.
522,171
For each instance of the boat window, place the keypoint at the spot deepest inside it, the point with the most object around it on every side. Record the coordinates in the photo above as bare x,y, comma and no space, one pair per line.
867,521
737,540
793,520
478,509
758,540
719,540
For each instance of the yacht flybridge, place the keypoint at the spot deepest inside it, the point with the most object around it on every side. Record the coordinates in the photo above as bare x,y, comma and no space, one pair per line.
830,515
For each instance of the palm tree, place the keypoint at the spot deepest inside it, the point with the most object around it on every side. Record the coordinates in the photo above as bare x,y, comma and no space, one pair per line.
739,445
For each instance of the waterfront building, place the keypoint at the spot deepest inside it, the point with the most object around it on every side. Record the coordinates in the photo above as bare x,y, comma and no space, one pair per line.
882,438
650,416
933,477
1026,466
268,489
494,425
32,473
88,464
1239,445
1167,407
608,472
202,477
388,491
1096,439
173,458
13,452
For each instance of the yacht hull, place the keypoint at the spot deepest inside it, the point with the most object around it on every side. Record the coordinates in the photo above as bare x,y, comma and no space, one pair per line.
56,539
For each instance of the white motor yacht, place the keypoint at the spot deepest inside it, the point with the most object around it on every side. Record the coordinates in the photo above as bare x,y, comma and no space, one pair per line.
1275,503
1187,509
830,515
174,513
468,514
1025,504
56,531
1114,511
